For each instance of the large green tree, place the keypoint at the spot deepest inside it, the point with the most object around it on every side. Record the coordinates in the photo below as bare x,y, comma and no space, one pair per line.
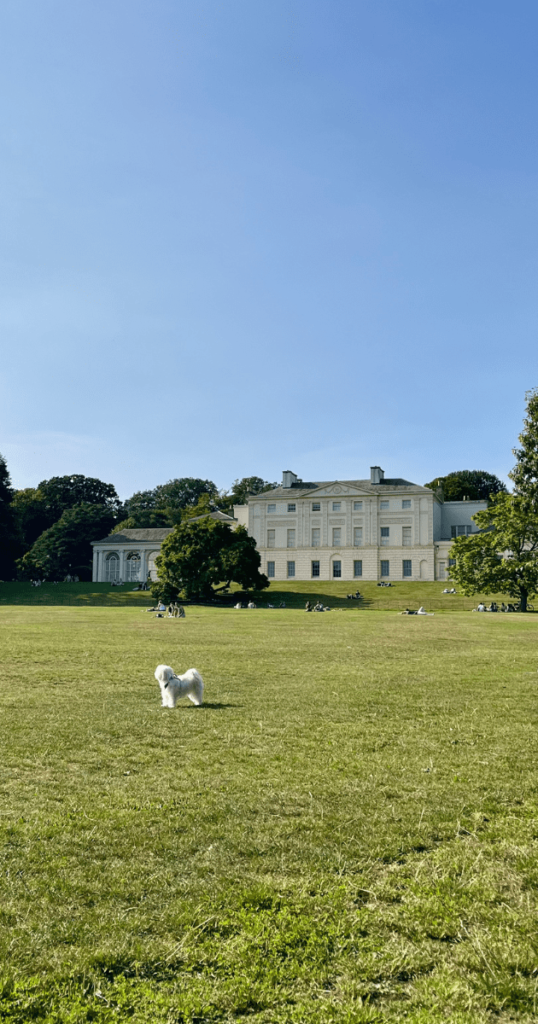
201,557
35,509
32,514
8,529
473,484
503,557
65,547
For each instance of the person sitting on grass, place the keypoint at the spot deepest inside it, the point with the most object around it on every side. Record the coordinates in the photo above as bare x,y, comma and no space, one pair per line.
308,607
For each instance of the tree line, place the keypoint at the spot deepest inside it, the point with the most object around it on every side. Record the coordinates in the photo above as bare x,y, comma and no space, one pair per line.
45,531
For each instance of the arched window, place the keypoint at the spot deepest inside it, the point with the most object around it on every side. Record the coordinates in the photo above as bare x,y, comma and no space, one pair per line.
132,566
112,566
152,568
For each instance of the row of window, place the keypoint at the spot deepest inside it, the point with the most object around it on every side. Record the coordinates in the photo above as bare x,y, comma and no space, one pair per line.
337,537
460,531
337,506
407,568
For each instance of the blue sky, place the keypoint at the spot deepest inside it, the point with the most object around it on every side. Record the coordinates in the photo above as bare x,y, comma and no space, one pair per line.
241,236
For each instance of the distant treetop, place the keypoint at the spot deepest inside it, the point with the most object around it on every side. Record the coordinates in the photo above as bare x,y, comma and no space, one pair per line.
474,484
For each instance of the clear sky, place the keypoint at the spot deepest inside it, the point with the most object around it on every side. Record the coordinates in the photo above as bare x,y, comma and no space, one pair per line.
242,236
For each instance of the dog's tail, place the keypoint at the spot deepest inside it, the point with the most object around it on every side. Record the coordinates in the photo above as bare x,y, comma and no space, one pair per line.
194,677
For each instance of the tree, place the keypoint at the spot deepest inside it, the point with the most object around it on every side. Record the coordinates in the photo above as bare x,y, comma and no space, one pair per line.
164,505
201,557
63,492
525,472
8,531
32,515
474,484
242,489
65,547
504,557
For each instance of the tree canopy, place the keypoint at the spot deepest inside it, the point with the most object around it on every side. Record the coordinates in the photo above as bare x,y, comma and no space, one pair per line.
504,557
63,492
8,531
474,484
525,472
65,547
242,489
203,556
164,505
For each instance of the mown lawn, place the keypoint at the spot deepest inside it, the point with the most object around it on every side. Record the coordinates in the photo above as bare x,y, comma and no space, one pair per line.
346,832
295,593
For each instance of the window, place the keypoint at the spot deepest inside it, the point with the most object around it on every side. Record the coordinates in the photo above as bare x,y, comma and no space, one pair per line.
357,506
112,567
291,506
291,569
357,568
271,570
451,561
337,505
407,567
315,569
406,536
337,570
291,539
271,508
385,534
270,538
385,568
316,506
316,537
406,503
384,504
357,536
460,531
442,572
132,566
337,536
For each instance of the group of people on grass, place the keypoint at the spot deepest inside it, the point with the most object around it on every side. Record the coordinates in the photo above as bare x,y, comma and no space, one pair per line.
494,607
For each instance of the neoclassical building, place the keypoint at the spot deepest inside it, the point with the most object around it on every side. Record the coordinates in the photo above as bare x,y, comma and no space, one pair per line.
376,529
130,556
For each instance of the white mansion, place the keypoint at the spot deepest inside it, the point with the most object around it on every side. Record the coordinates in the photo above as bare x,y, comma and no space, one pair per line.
376,529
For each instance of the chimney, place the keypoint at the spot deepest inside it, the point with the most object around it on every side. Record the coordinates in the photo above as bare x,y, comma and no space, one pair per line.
288,478
377,475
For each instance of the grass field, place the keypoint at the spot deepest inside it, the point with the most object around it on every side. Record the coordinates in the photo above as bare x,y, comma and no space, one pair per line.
346,832
294,592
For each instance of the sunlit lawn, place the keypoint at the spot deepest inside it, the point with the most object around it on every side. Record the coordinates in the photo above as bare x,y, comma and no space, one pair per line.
346,832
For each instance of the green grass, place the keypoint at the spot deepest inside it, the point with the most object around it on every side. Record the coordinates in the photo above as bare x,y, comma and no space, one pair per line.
346,832
294,592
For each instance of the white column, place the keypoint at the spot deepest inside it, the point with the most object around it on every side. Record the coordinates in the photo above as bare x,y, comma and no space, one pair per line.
122,565
94,567
142,576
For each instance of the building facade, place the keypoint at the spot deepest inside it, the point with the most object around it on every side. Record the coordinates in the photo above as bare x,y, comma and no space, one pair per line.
377,529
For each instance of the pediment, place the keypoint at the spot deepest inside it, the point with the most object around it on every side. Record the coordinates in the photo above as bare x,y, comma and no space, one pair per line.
337,488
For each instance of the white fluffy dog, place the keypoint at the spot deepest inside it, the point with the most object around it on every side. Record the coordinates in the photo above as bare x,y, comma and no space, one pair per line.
190,685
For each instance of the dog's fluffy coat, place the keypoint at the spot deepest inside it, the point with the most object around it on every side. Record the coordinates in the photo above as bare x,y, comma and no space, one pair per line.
190,685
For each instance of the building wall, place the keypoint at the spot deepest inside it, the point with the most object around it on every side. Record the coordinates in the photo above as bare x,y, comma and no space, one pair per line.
286,534
458,513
